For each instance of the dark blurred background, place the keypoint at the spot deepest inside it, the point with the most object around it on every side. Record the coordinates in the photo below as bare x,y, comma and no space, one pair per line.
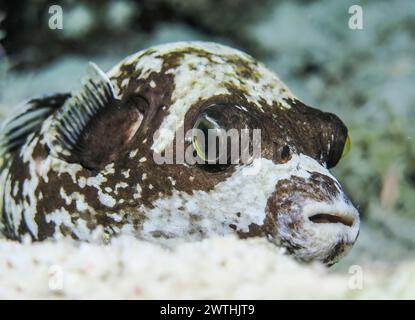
366,76
90,26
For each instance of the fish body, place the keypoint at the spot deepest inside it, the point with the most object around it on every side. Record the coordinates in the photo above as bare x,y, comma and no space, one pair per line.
96,157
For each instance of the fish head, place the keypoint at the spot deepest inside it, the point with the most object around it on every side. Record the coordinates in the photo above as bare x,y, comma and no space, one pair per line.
285,188
148,127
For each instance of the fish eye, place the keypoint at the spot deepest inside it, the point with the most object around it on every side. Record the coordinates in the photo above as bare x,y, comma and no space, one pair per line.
216,138
346,148
339,151
206,148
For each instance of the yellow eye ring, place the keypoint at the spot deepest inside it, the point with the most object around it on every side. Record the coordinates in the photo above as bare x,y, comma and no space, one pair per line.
346,148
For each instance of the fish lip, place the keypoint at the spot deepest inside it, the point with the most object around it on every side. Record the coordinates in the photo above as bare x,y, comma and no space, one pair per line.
339,212
332,217
331,223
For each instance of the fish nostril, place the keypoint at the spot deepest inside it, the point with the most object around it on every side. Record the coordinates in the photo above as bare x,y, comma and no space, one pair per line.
331,218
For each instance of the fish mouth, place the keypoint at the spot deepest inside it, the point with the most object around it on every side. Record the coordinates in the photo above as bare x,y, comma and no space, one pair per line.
332,218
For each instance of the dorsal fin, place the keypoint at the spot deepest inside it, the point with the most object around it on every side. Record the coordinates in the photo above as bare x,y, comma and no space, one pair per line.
30,116
97,92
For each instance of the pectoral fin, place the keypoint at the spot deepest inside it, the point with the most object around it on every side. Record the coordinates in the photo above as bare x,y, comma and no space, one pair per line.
95,125
32,114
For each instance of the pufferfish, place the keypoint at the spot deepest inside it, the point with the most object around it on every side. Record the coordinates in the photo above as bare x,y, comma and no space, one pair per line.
75,162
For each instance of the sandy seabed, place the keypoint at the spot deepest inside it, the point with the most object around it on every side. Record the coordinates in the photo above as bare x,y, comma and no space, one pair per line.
217,268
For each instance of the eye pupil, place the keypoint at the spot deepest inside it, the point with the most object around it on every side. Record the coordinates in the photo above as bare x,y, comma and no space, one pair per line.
202,129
